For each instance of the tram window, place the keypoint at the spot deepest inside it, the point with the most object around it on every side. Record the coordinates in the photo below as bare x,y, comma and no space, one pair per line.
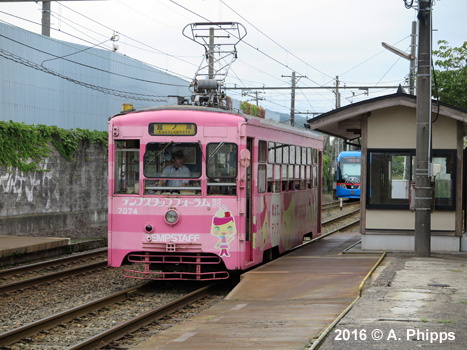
262,151
298,154
303,155
278,153
271,153
221,160
297,177
262,178
315,156
126,167
315,176
292,155
285,154
308,177
270,177
308,155
302,177
277,178
285,177
221,163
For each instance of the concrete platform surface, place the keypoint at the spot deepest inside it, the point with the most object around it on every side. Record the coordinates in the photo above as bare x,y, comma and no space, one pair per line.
414,303
281,305
15,245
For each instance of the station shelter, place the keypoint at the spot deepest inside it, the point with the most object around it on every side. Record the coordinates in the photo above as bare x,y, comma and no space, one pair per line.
386,127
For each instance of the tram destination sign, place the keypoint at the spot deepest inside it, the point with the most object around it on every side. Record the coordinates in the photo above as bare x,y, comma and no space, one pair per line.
172,129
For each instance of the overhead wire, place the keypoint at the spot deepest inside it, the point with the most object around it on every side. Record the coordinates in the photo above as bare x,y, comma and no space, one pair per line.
92,67
130,95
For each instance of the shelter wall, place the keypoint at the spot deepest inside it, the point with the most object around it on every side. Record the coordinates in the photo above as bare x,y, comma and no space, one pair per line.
395,128
405,220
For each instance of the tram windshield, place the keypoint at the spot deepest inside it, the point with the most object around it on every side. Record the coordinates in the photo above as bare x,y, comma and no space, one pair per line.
350,168
174,165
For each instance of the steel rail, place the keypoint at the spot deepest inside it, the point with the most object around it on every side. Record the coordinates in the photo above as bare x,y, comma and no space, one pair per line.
129,326
51,277
332,205
33,328
45,264
327,222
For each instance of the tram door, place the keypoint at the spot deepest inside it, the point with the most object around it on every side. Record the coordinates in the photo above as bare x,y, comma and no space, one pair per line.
249,220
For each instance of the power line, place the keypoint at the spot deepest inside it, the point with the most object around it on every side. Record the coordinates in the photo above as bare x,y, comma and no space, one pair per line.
275,42
91,67
125,94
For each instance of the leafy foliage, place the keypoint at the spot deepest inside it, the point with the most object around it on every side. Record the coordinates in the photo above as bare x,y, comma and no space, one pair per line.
451,78
253,110
26,146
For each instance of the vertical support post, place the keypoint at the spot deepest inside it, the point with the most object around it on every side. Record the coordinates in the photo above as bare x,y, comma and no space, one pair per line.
423,190
413,46
211,53
338,94
46,18
292,102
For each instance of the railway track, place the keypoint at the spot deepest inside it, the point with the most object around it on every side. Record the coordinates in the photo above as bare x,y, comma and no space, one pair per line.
20,277
70,329
79,320
335,220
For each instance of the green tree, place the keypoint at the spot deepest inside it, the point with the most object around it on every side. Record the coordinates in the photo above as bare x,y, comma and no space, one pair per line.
451,77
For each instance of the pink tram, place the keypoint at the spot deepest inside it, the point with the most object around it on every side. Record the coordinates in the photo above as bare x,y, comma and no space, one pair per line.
197,193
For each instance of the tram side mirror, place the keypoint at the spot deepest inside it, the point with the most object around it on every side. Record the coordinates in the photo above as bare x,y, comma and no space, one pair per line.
244,158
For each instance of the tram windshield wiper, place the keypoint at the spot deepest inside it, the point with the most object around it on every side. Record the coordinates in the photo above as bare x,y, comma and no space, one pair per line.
162,150
217,149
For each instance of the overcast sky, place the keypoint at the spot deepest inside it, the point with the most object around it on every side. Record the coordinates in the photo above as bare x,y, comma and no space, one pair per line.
316,39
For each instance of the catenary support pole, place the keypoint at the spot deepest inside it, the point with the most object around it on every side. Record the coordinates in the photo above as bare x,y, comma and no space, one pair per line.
423,190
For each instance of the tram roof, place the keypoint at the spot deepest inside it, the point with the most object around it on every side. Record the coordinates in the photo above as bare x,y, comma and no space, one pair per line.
248,118
345,122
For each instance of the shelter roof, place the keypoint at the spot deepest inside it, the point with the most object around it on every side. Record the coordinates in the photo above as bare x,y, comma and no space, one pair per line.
345,122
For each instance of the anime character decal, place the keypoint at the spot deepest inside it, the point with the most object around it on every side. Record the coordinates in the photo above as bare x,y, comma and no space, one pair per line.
223,226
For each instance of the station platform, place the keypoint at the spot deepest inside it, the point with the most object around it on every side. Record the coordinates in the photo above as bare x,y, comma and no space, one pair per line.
281,305
16,245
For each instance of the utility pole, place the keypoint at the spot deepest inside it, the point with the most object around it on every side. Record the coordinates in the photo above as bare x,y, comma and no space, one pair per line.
413,46
45,13
423,189
292,101
254,96
338,94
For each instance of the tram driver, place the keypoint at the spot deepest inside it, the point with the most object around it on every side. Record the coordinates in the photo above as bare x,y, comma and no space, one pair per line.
176,169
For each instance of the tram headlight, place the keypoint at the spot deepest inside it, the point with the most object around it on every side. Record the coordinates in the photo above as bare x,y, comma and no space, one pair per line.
171,217
343,185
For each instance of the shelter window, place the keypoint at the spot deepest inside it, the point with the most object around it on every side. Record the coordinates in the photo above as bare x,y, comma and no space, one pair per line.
391,172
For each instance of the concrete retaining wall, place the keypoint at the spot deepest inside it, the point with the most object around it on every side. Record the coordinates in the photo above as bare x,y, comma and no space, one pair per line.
68,196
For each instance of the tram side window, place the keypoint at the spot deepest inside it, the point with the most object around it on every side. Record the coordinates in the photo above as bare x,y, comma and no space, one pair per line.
315,168
126,167
285,162
262,174
271,161
221,163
